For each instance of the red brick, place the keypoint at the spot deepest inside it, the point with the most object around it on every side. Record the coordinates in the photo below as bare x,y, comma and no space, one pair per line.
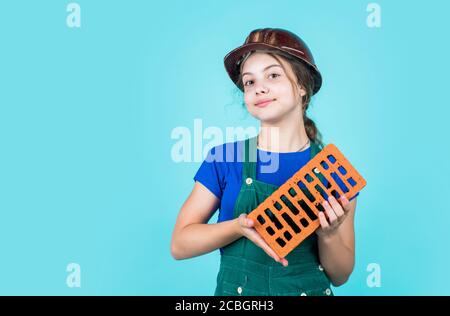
302,219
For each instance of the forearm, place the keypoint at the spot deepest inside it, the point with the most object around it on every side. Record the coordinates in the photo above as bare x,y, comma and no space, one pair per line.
197,239
336,258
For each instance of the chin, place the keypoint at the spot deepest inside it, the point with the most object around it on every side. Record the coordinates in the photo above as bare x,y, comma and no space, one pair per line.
267,118
267,114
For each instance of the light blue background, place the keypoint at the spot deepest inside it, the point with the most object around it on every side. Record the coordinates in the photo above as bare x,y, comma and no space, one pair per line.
86,117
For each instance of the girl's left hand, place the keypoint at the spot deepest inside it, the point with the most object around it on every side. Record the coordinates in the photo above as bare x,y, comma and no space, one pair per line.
335,215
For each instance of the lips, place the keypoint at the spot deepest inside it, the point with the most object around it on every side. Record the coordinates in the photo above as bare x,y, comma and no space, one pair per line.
264,102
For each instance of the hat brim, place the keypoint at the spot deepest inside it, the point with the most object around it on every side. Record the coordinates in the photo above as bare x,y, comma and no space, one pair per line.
232,58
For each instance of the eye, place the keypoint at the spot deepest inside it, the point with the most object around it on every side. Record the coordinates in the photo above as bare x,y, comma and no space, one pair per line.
272,74
245,83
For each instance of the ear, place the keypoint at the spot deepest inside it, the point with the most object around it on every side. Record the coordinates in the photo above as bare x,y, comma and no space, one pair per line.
302,92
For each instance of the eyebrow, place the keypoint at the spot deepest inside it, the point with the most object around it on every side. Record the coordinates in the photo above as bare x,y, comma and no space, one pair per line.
274,65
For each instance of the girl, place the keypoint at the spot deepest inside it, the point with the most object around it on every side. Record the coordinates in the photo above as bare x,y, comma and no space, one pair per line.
277,74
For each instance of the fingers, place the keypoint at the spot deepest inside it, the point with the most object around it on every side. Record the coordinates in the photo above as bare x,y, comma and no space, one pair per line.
337,208
323,221
254,236
335,213
345,203
284,262
243,219
330,213
257,239
245,222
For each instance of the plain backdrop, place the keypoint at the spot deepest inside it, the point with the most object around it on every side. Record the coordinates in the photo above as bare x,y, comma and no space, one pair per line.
86,116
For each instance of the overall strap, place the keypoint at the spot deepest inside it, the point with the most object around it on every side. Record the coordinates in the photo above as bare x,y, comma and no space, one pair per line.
239,248
314,151
249,162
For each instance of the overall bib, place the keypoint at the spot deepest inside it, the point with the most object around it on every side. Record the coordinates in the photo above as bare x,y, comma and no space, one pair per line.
245,269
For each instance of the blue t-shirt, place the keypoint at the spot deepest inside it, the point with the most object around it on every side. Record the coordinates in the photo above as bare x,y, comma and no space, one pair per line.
221,172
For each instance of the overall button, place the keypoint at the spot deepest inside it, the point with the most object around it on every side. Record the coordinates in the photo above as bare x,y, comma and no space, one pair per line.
239,290
327,291
249,181
320,268
316,170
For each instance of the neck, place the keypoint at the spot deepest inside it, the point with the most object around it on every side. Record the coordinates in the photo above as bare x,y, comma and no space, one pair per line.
289,136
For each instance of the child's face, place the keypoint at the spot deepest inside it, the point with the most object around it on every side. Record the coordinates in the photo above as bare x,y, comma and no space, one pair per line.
273,84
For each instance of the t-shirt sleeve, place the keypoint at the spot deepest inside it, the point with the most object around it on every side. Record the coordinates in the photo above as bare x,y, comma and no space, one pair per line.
211,174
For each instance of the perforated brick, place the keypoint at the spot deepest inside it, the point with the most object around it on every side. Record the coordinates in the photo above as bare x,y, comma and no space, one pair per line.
290,214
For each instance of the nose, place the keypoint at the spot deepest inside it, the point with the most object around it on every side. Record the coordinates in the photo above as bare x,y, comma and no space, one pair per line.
261,89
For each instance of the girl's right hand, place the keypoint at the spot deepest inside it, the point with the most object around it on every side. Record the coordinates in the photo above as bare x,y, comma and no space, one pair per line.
246,229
